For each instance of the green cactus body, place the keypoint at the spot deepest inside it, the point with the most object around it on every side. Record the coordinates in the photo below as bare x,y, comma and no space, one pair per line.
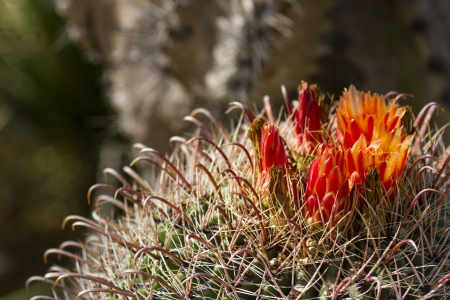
237,216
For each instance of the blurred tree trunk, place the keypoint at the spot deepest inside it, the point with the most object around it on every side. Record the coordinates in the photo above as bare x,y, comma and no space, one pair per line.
165,58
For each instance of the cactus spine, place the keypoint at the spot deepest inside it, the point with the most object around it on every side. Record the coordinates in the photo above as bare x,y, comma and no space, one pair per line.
346,205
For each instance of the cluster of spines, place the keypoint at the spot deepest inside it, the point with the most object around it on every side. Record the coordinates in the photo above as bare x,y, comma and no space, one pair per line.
223,219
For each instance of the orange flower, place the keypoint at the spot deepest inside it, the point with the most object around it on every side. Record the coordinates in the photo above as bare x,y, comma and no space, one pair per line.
363,114
327,190
272,153
389,161
307,118
371,134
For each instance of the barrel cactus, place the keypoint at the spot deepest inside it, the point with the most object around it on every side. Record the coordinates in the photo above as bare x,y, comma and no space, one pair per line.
342,199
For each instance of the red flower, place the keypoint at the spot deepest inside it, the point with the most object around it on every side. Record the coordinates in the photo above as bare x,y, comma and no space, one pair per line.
308,120
272,153
271,148
327,191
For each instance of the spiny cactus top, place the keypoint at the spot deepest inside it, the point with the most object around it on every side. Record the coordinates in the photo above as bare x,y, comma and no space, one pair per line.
340,201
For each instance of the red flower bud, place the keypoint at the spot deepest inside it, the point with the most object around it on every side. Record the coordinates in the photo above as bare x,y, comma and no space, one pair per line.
272,153
308,120
327,191
271,148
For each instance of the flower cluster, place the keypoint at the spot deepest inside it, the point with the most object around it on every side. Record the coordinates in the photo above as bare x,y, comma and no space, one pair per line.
369,136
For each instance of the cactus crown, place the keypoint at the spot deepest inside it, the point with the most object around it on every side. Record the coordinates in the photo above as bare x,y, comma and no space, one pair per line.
349,204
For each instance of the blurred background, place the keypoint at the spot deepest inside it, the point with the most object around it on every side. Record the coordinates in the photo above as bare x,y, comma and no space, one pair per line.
80,80
50,139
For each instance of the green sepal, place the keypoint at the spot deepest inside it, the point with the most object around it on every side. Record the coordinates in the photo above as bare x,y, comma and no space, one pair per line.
197,212
247,290
303,275
176,240
356,291
161,232
204,292
284,284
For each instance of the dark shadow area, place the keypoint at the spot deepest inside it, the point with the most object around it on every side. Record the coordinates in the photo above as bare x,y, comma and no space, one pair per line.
52,121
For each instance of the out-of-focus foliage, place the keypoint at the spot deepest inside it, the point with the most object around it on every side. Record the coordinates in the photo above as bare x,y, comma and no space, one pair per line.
49,100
